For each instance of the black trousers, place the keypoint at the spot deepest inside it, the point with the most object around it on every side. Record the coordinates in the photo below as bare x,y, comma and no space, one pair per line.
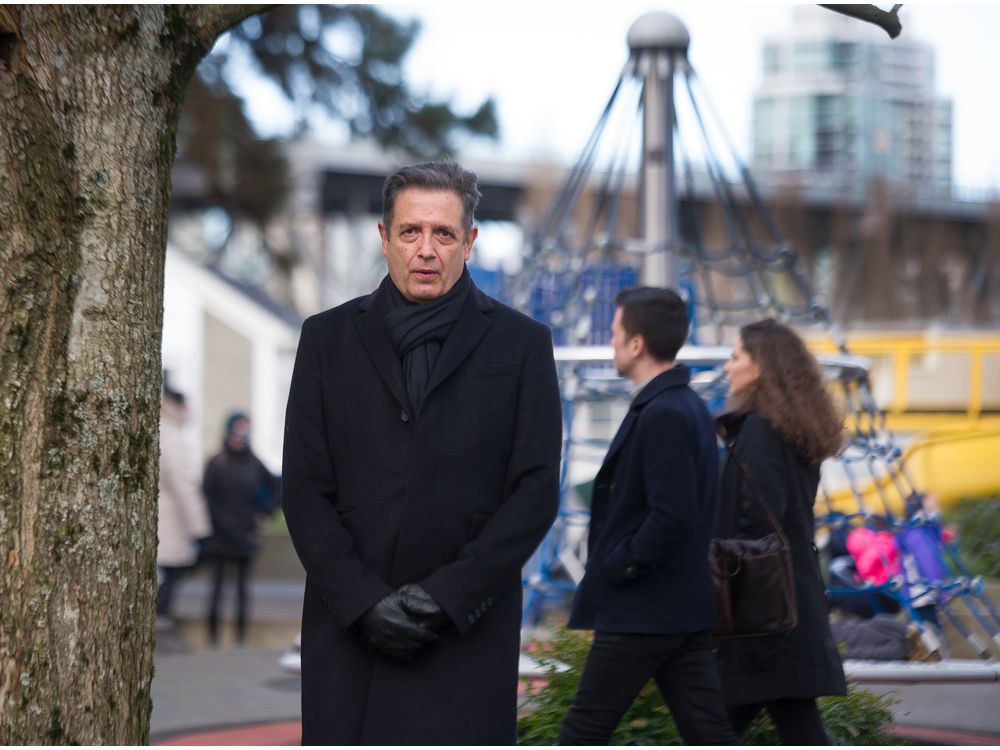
171,576
617,668
797,720
219,566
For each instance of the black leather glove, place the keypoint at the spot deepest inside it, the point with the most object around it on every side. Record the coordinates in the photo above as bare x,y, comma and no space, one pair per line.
422,608
392,632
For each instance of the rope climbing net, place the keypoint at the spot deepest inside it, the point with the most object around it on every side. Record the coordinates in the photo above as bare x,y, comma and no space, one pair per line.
733,266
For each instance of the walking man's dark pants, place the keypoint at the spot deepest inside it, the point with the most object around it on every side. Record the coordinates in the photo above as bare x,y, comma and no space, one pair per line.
618,667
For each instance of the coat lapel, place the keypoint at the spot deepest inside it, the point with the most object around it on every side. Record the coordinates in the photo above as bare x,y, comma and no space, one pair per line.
370,322
623,432
677,375
469,329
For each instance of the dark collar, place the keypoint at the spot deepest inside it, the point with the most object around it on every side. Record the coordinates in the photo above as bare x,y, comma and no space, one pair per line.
675,377
729,424
470,327
678,375
375,299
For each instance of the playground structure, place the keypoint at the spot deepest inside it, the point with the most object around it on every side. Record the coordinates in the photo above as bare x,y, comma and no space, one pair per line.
585,250
949,465
942,393
930,381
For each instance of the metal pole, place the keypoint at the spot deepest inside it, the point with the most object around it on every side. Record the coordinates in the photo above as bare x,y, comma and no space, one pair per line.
658,41
657,171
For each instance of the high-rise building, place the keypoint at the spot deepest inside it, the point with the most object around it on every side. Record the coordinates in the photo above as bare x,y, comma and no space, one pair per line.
841,103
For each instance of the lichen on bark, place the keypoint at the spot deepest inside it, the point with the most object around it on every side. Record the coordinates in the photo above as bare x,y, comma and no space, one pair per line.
89,99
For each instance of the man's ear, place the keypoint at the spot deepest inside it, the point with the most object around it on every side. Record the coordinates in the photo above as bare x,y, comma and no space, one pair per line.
384,234
470,238
638,345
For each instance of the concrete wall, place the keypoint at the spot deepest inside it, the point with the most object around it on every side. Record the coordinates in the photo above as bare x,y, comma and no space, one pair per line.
227,381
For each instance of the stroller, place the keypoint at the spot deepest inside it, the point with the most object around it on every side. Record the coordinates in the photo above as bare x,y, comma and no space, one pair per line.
910,565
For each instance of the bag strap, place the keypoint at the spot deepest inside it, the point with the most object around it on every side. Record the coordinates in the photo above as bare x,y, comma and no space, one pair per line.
760,500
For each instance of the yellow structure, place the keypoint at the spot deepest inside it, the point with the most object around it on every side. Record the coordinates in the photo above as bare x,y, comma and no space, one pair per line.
941,395
925,380
947,464
953,465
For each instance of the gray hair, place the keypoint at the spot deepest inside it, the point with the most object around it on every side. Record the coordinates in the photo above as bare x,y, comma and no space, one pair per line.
433,175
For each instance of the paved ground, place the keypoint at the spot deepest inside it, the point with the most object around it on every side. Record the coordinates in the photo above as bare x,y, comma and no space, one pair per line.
956,714
241,696
211,689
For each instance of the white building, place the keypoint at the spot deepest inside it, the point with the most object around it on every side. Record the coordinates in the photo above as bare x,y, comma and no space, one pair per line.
841,103
227,348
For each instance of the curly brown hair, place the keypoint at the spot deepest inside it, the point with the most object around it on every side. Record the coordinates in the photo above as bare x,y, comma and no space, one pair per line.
789,391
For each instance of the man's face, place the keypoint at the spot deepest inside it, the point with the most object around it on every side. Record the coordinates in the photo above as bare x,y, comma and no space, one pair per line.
426,248
239,434
625,346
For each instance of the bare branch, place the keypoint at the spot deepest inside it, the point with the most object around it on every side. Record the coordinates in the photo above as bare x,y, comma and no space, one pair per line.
888,20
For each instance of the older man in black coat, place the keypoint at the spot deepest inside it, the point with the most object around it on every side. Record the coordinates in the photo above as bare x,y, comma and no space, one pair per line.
646,592
421,458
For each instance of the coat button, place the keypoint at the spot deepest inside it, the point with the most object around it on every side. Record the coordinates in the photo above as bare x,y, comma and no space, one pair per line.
489,601
611,487
630,571
404,416
472,619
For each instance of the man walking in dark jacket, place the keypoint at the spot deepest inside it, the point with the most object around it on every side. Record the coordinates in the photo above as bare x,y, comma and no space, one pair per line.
421,463
647,593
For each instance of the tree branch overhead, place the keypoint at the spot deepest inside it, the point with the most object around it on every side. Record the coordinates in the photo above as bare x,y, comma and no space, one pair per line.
887,20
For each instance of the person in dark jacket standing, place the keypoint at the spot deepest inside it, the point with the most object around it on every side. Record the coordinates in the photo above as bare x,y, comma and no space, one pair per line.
646,592
421,457
781,424
239,491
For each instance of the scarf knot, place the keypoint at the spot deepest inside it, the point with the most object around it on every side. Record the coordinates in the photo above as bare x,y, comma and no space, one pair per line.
418,331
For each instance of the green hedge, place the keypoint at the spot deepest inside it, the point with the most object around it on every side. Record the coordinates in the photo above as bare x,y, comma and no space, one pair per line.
977,522
859,718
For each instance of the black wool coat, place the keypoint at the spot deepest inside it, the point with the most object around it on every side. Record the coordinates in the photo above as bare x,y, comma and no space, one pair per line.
651,518
803,663
238,489
455,498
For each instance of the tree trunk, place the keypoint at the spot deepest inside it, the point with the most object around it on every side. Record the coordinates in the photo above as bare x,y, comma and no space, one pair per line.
89,100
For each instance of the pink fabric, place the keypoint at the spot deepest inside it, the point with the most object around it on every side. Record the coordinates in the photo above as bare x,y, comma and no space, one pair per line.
875,554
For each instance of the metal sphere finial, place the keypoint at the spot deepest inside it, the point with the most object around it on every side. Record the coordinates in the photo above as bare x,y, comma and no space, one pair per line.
659,30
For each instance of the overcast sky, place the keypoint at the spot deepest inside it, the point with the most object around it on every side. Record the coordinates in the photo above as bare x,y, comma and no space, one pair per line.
551,67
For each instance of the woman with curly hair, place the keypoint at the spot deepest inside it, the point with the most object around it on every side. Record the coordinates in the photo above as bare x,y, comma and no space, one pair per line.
781,423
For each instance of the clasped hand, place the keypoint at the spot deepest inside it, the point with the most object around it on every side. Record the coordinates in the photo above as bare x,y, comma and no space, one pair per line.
403,622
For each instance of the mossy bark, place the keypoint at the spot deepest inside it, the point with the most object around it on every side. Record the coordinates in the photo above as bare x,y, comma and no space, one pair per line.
89,100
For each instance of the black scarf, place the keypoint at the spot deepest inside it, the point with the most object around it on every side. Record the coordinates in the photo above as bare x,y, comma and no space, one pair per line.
419,330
